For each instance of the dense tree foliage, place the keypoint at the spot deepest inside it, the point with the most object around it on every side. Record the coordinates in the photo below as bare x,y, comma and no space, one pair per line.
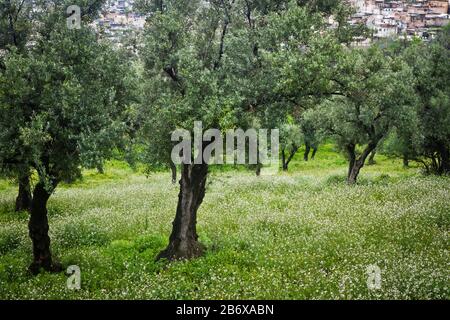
374,93
228,64
15,30
290,142
61,105
69,99
22,23
431,67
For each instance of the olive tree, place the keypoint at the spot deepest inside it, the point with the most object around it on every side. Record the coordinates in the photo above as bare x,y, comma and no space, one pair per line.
373,93
431,64
311,138
189,79
61,107
15,29
22,22
290,142
219,62
304,52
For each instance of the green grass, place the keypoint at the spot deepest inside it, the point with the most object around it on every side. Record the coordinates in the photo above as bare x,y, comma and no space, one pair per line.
298,235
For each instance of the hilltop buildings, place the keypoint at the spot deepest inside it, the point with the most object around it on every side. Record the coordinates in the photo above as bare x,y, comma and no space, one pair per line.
414,18
118,21
386,19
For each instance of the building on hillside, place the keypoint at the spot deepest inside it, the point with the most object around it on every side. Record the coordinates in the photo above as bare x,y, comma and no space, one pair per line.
118,22
387,19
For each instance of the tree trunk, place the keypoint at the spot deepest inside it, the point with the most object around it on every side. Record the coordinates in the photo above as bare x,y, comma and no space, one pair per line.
23,200
183,241
307,151
283,160
38,231
258,170
444,152
351,178
287,161
356,164
405,161
314,153
354,172
173,169
372,158
100,169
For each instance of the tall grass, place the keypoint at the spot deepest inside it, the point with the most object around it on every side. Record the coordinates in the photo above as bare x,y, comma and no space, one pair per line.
304,234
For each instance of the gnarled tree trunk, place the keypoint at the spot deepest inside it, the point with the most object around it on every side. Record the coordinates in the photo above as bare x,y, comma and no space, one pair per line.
38,231
354,171
444,153
405,161
356,164
313,156
287,160
23,200
372,158
307,151
183,242
258,170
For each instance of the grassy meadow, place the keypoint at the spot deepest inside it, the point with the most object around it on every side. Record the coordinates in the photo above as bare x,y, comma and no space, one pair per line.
304,234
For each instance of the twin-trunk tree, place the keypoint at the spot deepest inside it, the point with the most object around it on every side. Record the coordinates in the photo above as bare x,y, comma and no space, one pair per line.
288,154
430,63
372,95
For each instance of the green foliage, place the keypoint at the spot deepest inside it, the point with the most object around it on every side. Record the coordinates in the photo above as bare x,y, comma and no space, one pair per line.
62,104
373,94
15,24
430,65
230,64
69,101
290,137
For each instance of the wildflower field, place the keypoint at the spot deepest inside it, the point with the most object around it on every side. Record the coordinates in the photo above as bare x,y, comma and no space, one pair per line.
298,235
